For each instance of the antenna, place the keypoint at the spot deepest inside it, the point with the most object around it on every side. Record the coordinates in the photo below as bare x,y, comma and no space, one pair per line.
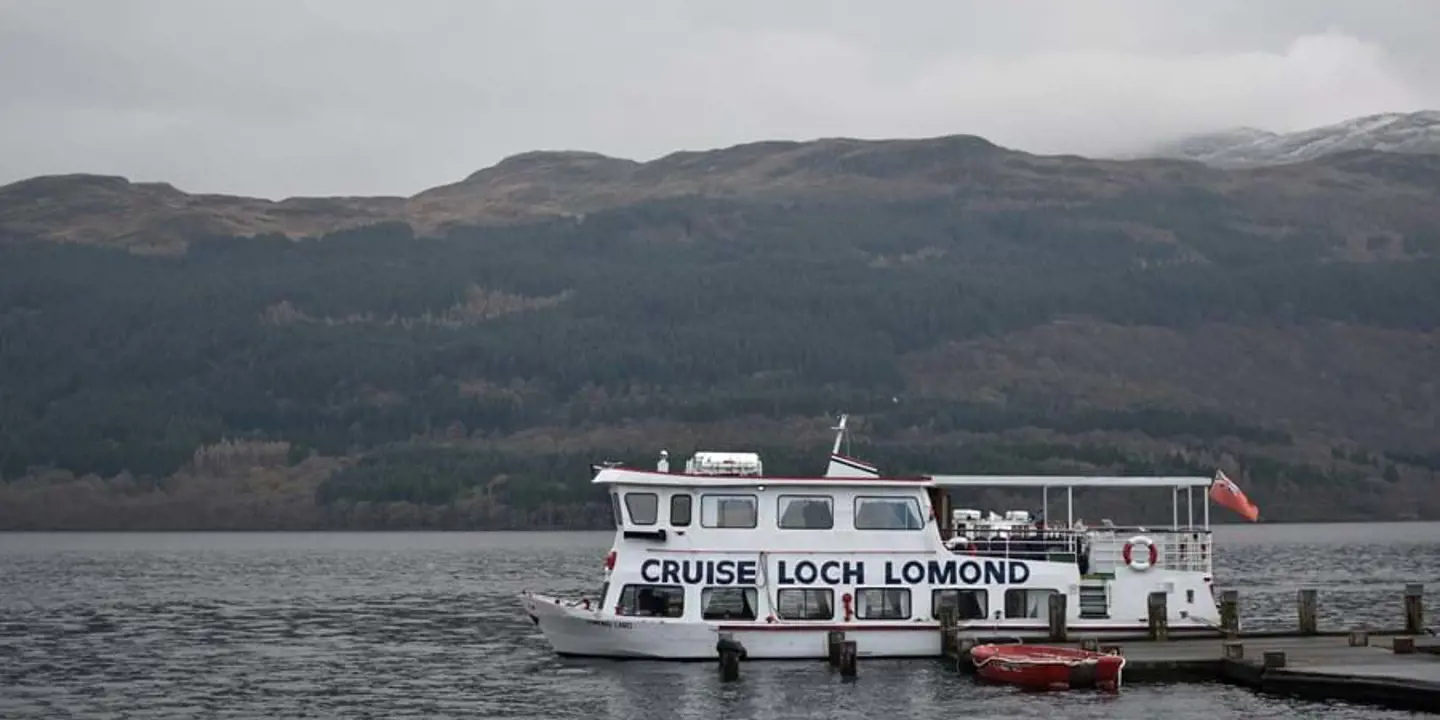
840,436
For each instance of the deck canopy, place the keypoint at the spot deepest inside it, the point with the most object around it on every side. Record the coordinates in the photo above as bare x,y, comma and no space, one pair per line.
1122,482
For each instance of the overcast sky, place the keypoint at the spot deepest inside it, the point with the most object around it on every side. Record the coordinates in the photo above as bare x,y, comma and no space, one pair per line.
294,97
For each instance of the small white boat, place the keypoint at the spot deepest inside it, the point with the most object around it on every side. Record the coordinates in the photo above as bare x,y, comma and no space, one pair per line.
779,562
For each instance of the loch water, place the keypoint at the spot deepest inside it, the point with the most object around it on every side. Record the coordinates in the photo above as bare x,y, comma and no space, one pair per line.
410,625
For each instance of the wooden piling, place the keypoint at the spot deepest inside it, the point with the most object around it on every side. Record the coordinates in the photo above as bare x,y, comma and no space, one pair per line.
1230,613
833,641
1058,607
1158,617
847,658
1414,609
1234,651
949,619
1306,607
730,650
1274,659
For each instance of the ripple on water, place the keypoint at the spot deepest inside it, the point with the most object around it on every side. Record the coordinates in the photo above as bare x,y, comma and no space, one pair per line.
396,625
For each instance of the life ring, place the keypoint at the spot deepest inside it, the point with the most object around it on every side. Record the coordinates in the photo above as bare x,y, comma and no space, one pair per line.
1140,564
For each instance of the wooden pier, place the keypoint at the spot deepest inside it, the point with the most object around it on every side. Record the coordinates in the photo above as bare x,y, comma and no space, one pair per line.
1397,668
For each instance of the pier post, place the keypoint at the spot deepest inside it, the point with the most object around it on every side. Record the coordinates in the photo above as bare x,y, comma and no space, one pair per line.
1359,638
833,640
1230,612
949,619
1058,606
730,651
1158,617
1234,651
1403,645
847,658
1306,607
1414,608
1274,659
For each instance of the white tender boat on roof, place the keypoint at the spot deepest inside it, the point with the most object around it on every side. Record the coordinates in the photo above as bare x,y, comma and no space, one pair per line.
778,562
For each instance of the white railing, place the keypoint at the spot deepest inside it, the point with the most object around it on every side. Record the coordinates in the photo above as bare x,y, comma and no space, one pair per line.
1101,550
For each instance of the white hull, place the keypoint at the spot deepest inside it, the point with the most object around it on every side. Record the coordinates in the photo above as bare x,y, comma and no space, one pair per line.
572,630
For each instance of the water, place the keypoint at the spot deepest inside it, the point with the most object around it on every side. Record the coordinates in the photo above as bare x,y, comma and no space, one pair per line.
397,625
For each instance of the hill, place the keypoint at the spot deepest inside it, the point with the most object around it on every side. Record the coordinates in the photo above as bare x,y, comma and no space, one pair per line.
458,358
1416,132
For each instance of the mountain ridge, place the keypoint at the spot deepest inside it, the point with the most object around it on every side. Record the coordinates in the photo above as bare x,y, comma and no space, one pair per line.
1246,147
458,358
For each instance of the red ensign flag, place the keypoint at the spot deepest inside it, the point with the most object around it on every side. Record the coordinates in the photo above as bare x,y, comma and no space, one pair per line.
1228,494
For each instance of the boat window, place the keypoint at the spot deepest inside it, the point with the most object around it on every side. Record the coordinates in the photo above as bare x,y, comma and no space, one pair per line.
643,507
969,604
882,513
728,511
1027,603
806,512
882,604
652,601
729,603
680,510
805,604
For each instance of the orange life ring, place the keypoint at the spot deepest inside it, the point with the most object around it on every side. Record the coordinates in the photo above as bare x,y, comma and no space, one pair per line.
1135,563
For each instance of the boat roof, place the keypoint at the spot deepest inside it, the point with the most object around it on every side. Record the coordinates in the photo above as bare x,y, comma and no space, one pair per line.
629,476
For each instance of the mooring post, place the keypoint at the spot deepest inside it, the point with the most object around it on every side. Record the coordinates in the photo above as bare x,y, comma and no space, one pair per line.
963,646
833,640
1404,645
1274,659
1359,638
1159,622
847,658
1230,613
1306,607
730,651
1091,644
949,619
1234,651
1414,608
1058,606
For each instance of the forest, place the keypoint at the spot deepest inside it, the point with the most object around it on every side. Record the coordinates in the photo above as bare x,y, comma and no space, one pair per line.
376,377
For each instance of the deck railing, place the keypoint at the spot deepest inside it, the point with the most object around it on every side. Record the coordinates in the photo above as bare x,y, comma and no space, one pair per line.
1101,550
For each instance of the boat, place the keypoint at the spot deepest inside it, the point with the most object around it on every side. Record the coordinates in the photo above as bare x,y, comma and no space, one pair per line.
776,563
1047,667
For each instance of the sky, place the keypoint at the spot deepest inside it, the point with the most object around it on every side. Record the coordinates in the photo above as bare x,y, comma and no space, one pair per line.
275,98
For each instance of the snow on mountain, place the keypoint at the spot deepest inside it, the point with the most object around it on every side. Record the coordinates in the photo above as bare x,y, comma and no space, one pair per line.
1416,132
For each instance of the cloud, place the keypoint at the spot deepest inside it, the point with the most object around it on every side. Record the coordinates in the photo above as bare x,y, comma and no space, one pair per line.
275,97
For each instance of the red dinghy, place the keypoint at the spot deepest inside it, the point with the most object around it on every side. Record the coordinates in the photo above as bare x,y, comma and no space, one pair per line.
1047,667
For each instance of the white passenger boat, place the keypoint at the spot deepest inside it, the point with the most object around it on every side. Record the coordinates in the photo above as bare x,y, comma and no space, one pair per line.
780,561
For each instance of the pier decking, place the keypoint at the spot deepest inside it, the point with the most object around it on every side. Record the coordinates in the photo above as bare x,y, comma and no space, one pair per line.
1397,668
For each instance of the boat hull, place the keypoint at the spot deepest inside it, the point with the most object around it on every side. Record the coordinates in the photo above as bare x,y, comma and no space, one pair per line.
1040,667
579,629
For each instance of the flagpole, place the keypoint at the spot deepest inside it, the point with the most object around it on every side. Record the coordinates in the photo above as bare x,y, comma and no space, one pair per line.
1207,505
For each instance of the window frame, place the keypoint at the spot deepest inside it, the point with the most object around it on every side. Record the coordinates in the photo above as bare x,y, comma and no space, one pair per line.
982,593
909,603
780,510
750,595
754,505
916,505
1040,613
634,590
824,591
689,509
630,510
